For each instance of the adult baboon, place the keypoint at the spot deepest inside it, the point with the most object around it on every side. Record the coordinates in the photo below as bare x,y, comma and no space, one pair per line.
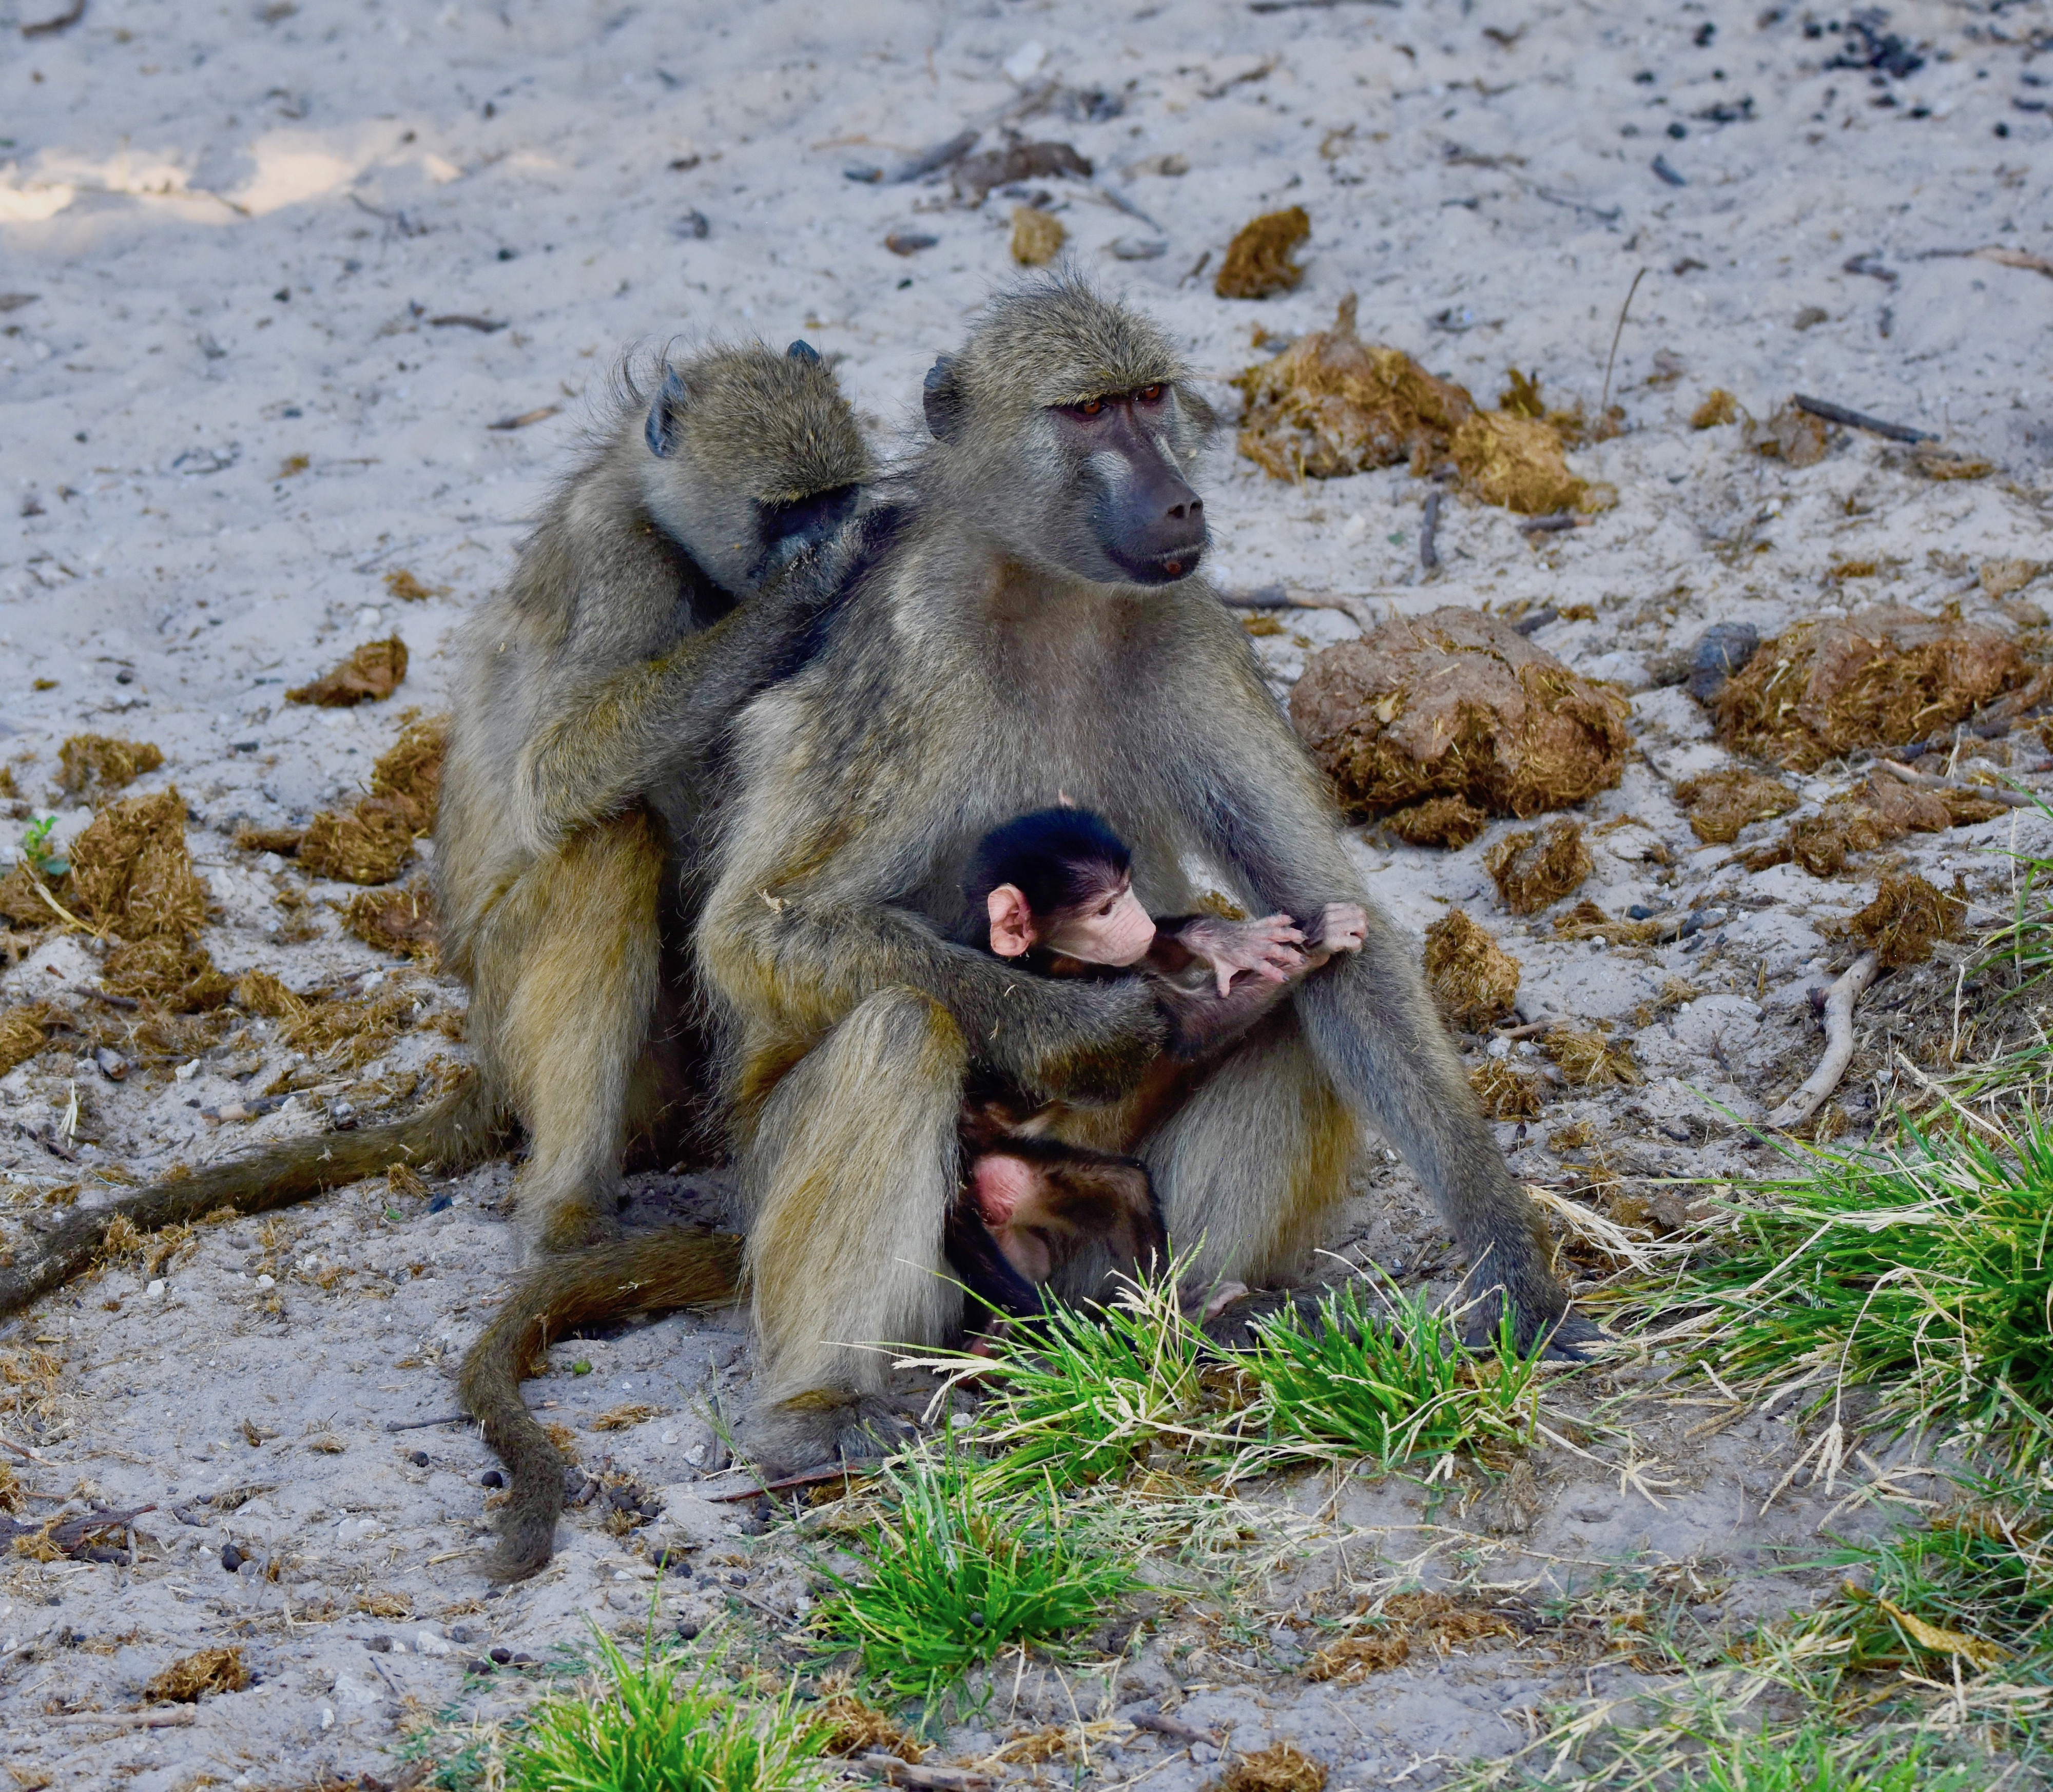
1036,629
617,635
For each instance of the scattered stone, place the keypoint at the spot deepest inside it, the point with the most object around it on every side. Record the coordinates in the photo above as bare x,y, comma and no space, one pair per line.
1258,263
1721,650
1533,870
975,175
1472,979
1457,703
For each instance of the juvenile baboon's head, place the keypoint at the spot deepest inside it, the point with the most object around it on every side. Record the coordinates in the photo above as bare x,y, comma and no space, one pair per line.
1067,426
754,457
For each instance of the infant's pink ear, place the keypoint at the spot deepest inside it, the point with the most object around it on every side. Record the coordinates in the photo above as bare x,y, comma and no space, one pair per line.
1011,921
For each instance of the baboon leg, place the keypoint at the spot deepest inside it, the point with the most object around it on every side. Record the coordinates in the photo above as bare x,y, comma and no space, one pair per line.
1251,1165
848,1178
579,971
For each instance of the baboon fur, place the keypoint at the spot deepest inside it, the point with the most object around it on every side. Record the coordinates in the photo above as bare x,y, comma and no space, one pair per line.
620,619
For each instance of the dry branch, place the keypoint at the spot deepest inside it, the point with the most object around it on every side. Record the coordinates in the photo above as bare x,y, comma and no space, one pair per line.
1839,1002
1277,597
1931,781
923,1779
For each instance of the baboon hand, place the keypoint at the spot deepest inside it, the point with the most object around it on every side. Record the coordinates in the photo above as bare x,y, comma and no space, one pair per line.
1268,947
1342,926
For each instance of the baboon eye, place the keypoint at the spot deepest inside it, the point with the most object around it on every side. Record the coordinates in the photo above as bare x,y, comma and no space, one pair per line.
1149,394
1090,407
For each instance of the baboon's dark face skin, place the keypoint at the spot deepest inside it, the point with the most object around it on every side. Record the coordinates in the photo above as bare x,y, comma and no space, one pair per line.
1147,520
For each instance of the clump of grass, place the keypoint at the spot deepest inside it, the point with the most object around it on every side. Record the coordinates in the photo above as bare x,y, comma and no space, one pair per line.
1923,1269
1815,1760
957,1576
1392,1384
649,1728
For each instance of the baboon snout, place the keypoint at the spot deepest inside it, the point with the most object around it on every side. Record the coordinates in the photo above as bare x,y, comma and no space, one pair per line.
1154,529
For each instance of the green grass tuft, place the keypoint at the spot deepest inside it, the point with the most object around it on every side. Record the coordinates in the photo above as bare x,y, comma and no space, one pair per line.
647,1728
1817,1761
958,1574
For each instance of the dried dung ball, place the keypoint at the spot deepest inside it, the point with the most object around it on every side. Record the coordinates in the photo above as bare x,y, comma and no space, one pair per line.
1516,461
1534,870
130,870
1505,1095
284,841
1719,406
210,1670
1935,462
402,921
1332,405
174,971
1457,703
410,771
97,762
21,900
1878,678
1037,237
1472,979
1907,917
1354,1658
365,845
1451,822
1721,803
1791,435
1590,1060
853,1728
1258,263
371,673
1283,1768
25,1030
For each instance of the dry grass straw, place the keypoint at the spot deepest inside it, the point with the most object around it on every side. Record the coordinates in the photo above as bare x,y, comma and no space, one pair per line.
284,841
1586,921
1457,703
1721,803
346,1033
1448,821
407,589
1281,1768
1719,406
369,675
1505,1095
1590,1060
1332,405
626,1416
1472,979
1881,678
370,841
89,763
1907,917
1516,461
1874,813
402,921
24,1029
1792,435
178,975
1037,237
1438,1621
1533,870
1258,263
131,873
210,1670
853,1728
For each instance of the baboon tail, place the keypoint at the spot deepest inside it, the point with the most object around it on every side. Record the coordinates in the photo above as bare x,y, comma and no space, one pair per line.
654,1272
463,1128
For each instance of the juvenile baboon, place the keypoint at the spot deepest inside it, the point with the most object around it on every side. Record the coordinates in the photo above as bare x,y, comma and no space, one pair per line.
734,480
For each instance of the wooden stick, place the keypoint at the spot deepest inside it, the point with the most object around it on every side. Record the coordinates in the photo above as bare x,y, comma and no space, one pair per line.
1276,597
927,1779
1429,552
1931,781
1839,1002
1174,1726
423,1424
165,1718
1604,404
805,1477
1860,420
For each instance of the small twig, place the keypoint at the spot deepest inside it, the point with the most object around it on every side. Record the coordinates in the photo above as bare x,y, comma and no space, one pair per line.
525,417
167,1717
1555,524
423,1424
26,1454
927,1779
1860,420
1531,1030
1260,71
127,1002
1174,1726
1931,781
1604,404
1839,1002
1429,553
1276,597
64,21
805,1477
469,320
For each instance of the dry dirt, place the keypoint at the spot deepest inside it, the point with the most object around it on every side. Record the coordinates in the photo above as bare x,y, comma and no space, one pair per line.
287,267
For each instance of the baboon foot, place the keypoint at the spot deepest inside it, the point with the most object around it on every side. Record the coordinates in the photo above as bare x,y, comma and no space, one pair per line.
558,1230
1563,1332
822,1427
1231,1324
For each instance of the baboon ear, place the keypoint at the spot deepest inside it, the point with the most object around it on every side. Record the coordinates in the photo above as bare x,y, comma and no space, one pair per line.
661,430
941,398
802,350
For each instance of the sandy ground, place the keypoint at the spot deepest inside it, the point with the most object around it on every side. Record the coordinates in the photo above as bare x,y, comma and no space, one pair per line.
232,243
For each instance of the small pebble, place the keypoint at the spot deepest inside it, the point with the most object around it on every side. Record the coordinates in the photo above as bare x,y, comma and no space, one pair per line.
502,1656
491,1477
231,1557
419,1459
687,1630
442,1203
479,1665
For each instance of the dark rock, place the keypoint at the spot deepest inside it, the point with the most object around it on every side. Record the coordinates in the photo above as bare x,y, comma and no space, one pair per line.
231,1557
1722,649
491,1477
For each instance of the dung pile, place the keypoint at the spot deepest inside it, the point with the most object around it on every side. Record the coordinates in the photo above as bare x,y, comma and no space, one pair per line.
1516,461
1439,821
1590,1060
401,921
1258,263
25,1030
1721,803
131,875
1879,810
1907,917
1457,703
369,675
88,764
1332,405
1881,678
347,1031
1532,870
370,841
1792,435
1472,979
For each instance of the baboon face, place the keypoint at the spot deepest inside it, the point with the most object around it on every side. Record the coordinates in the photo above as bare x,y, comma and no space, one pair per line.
1068,429
754,460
